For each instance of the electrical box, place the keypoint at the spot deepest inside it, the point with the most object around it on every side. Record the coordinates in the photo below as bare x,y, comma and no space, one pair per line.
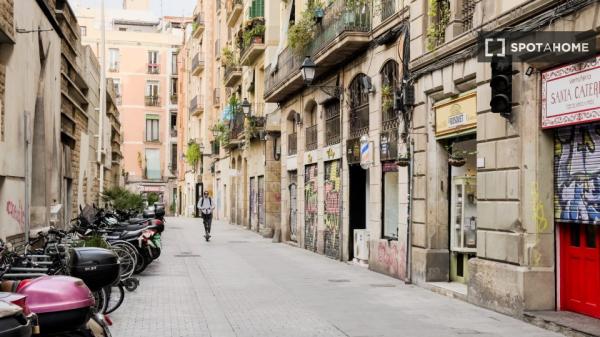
361,245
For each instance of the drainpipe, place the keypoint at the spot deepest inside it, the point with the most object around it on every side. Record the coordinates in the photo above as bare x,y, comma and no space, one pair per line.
409,213
27,176
102,101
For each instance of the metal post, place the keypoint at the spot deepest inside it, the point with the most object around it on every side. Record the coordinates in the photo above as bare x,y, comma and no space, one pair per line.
102,99
27,176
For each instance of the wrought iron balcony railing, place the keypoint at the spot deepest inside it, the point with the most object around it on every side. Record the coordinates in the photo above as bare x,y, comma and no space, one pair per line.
311,138
152,101
153,68
292,144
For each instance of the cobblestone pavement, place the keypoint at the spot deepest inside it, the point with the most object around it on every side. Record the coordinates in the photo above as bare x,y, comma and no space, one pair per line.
240,284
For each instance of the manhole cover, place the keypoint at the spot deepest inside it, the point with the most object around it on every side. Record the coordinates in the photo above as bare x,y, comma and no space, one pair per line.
382,285
339,280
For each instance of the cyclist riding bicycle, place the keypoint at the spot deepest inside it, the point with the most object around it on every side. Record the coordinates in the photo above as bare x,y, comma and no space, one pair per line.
206,207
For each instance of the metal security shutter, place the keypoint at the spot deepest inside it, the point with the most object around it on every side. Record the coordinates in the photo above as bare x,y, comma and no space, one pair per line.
332,214
577,174
310,207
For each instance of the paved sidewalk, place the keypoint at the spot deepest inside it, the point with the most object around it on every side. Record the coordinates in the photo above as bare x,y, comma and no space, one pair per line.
240,284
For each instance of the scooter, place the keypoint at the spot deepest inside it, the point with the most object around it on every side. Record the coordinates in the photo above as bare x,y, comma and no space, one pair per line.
16,320
63,306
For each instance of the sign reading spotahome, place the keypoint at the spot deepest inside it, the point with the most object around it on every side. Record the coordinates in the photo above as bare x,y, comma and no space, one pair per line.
577,174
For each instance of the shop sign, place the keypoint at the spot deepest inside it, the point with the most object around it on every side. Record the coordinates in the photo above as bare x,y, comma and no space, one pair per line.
457,115
571,94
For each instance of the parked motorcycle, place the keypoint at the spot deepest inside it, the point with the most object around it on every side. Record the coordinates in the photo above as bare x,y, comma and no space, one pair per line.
16,320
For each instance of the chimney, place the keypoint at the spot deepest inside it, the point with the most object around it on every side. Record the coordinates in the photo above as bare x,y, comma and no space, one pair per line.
139,5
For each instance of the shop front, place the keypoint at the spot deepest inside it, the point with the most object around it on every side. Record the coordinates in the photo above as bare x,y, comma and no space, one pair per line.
571,107
456,123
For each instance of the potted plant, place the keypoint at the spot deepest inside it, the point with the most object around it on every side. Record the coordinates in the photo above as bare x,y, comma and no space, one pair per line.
301,33
403,159
457,157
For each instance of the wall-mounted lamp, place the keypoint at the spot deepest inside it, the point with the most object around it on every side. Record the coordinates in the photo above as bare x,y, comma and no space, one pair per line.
246,107
308,70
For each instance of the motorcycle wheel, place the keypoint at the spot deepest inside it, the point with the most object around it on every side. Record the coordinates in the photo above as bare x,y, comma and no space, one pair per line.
143,262
101,299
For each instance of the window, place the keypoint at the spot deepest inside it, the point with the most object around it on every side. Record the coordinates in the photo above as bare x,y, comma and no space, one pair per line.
117,86
359,106
153,164
113,59
311,128
173,124
332,122
153,67
174,63
173,157
83,30
389,80
152,124
152,88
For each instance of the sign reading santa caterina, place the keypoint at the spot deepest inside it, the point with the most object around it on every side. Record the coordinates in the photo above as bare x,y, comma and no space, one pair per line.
571,94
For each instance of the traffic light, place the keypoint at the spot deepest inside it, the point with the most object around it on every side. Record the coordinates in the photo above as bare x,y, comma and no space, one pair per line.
501,84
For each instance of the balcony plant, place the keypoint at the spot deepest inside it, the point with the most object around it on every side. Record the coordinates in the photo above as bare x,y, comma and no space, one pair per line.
192,154
387,97
458,157
221,133
439,18
302,32
229,58
254,34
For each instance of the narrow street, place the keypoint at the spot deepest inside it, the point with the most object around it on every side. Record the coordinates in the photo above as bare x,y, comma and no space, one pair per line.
240,284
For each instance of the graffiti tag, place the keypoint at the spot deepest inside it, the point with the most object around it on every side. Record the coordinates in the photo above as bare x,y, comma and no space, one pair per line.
541,222
16,212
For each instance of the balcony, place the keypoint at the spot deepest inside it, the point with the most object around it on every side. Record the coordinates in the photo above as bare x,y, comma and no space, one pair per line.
197,64
174,98
232,76
340,35
252,51
198,26
152,101
153,68
217,96
311,138
234,10
236,129
196,106
332,123
292,144
113,67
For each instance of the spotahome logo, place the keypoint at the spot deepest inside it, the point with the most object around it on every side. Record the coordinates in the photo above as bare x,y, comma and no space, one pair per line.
541,47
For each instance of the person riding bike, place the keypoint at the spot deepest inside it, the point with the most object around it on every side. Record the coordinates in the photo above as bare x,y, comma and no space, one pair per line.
206,207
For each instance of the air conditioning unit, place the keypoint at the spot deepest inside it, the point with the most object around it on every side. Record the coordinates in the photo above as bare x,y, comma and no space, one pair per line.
361,245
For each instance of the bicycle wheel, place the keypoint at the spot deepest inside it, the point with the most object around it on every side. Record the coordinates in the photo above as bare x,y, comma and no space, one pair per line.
101,300
131,248
116,297
126,261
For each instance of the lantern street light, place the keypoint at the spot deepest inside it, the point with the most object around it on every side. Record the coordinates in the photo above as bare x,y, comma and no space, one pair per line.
246,106
308,70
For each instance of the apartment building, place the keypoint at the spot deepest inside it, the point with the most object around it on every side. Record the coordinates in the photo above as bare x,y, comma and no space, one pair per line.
49,164
141,58
389,153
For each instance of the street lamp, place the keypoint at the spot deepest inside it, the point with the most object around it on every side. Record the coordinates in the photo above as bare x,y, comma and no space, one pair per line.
308,70
246,107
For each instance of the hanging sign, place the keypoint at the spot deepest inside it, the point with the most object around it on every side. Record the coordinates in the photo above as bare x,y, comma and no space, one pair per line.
571,94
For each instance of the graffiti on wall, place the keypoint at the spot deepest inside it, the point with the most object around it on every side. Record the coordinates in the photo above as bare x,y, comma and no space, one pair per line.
310,207
577,174
541,223
388,257
332,208
17,212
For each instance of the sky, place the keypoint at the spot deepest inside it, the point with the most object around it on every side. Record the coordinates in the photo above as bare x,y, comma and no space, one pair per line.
169,7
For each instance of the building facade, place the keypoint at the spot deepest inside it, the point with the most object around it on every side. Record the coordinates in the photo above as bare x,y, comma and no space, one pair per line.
390,154
146,92
48,126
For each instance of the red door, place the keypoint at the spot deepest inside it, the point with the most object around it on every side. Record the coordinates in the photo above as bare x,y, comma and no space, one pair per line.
580,269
